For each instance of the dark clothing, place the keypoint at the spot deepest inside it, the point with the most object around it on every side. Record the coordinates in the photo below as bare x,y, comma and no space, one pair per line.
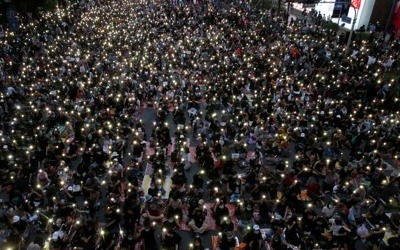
227,244
198,217
149,239
220,213
250,237
293,235
171,240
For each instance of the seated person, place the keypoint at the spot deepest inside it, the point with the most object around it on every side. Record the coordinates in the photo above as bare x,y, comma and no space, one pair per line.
228,241
265,213
293,232
86,235
234,189
220,211
155,190
198,221
170,239
153,212
174,205
263,190
147,235
226,225
253,237
179,179
198,181
192,199
197,244
245,215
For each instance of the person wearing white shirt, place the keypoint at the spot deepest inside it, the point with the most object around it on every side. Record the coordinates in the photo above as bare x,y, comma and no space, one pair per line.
372,237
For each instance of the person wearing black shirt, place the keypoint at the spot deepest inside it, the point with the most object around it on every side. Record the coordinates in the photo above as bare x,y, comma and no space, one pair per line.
179,117
245,215
137,149
234,189
86,236
198,181
113,217
108,240
193,198
265,211
179,178
276,241
308,220
198,221
250,179
148,237
291,198
154,190
170,239
204,157
220,212
261,191
292,233
63,210
228,241
91,189
131,212
253,237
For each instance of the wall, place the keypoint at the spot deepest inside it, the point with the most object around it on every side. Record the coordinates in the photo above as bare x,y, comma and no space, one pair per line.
364,13
381,12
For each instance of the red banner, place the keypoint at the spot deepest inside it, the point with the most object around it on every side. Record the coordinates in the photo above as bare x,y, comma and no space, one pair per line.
356,4
396,19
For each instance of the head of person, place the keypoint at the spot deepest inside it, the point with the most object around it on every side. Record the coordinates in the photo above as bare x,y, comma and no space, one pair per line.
256,229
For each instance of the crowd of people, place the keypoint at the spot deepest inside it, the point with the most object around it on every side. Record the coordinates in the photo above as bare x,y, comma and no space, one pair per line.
263,127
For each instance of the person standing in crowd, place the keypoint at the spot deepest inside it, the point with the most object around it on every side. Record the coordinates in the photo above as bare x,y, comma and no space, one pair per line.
147,235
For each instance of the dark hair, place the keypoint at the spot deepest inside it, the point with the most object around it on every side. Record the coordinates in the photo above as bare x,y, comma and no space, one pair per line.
39,240
197,238
146,223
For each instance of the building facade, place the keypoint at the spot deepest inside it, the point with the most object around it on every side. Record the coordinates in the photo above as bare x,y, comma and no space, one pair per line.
381,13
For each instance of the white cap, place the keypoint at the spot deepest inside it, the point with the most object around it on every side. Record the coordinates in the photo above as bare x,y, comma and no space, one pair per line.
15,219
256,227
